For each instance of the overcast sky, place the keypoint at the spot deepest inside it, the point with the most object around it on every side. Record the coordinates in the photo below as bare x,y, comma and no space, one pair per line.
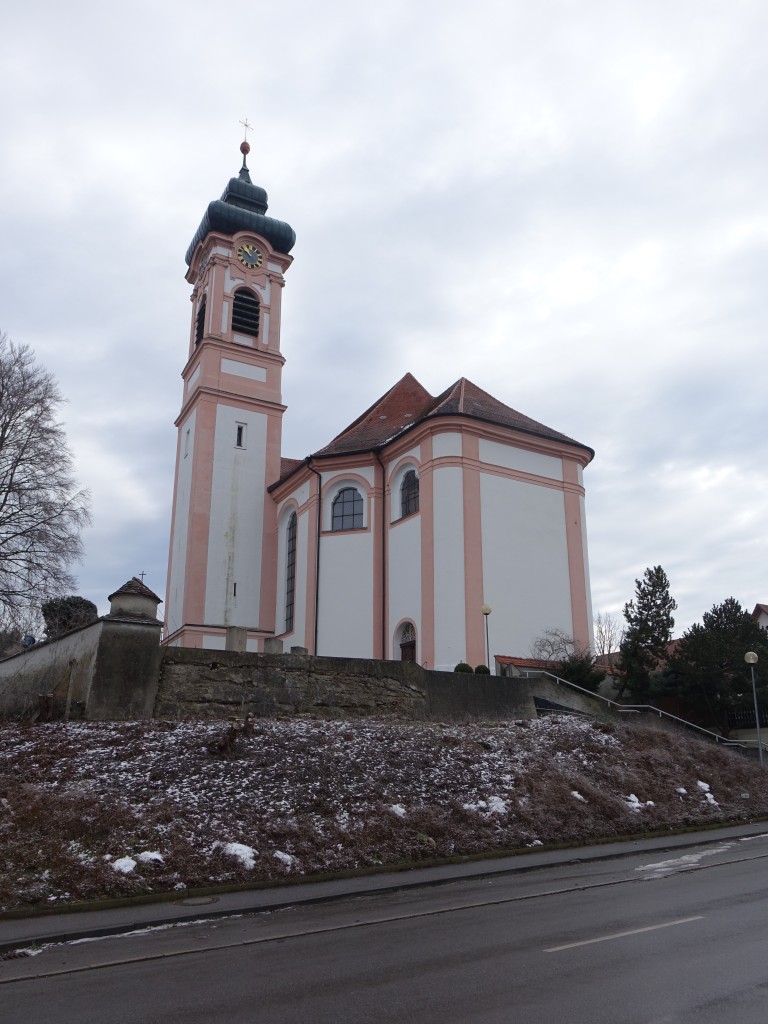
565,201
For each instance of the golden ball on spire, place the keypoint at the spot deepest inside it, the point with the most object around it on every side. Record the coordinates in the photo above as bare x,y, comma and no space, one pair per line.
245,148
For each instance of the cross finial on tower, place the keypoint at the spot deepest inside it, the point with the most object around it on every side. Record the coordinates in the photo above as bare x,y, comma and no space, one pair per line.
142,574
245,149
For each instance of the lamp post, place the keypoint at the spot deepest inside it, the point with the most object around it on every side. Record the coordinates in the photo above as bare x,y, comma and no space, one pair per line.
751,659
486,610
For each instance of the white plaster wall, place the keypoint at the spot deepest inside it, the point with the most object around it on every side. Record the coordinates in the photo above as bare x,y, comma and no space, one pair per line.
517,458
194,377
583,513
446,445
404,585
450,625
175,597
413,453
525,563
366,472
239,369
346,595
214,643
237,519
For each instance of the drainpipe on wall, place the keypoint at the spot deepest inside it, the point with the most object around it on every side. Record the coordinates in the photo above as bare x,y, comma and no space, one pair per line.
310,467
383,556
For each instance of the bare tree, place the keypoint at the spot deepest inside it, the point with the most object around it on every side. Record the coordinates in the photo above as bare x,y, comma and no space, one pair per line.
608,634
568,659
553,645
42,509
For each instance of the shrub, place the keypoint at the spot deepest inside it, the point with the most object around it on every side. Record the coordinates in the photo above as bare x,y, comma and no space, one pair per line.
482,670
463,667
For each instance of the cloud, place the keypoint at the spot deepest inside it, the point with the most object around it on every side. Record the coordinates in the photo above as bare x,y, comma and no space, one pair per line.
564,202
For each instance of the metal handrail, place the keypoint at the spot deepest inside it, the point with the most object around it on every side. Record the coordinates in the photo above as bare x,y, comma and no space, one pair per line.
637,709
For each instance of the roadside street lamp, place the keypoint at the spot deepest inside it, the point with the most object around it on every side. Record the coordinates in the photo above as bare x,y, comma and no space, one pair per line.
486,610
751,659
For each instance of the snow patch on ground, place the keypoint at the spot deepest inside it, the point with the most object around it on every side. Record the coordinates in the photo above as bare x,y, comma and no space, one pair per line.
684,863
124,865
150,856
493,805
707,793
636,805
245,854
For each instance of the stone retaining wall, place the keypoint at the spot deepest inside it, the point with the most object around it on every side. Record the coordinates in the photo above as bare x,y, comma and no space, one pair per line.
224,684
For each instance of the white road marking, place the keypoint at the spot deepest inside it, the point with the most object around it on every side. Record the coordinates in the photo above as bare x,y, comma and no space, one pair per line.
622,935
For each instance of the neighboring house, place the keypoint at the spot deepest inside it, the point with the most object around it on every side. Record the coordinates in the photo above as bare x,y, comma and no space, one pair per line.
506,665
761,614
388,541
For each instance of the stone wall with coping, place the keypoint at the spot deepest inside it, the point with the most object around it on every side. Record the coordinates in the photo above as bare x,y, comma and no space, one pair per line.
115,669
103,671
63,667
197,683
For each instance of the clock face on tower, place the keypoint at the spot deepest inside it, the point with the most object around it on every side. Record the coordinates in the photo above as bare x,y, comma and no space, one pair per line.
249,255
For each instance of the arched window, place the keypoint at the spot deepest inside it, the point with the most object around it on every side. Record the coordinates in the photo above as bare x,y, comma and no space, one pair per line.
407,642
409,494
245,312
347,510
290,572
200,322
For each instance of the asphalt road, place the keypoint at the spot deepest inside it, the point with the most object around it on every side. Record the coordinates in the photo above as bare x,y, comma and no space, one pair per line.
672,937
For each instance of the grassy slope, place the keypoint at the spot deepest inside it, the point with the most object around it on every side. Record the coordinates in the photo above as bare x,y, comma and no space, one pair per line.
317,796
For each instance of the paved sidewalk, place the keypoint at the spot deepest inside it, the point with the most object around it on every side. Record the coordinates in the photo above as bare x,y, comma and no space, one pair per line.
16,933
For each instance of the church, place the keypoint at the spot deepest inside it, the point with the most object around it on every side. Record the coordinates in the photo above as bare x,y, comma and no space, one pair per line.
437,529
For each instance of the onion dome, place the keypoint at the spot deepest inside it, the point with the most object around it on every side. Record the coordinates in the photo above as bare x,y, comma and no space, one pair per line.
242,207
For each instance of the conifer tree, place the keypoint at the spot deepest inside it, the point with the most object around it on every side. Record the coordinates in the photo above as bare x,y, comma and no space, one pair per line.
648,633
708,670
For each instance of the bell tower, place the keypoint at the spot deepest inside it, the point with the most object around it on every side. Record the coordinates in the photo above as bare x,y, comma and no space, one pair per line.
222,551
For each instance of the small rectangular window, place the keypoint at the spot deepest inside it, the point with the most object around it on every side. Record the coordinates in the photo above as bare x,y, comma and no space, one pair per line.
240,436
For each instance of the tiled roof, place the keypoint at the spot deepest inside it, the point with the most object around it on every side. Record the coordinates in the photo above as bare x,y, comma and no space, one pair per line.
403,405
466,399
760,608
287,466
135,586
533,663
408,403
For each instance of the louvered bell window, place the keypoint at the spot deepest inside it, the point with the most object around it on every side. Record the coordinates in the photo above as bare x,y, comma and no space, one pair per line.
200,323
245,313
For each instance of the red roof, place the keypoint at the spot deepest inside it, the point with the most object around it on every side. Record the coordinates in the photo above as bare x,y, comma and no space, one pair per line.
408,403
535,663
287,466
135,586
403,405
